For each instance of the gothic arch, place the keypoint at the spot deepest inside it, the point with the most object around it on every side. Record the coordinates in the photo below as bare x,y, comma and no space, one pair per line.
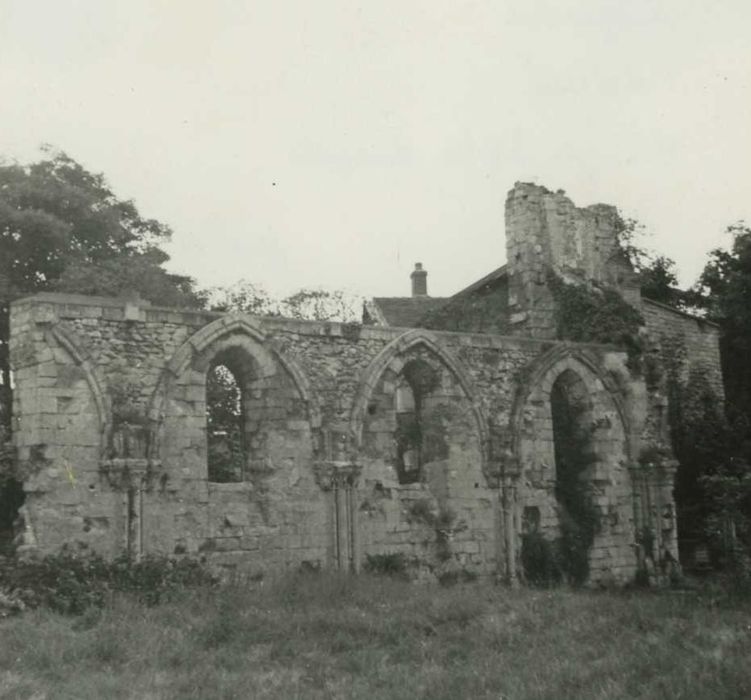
390,357
261,348
602,460
546,370
68,341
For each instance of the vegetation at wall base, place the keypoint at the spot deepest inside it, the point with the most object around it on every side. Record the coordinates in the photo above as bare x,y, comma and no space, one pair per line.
393,564
540,561
71,582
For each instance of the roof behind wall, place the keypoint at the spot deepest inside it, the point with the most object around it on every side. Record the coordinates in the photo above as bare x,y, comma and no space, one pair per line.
401,312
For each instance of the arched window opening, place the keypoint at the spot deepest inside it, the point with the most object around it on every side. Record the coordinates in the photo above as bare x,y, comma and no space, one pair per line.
574,463
227,441
415,384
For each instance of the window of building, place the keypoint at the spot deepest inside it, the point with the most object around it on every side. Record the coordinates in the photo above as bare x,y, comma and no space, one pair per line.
575,460
415,383
227,441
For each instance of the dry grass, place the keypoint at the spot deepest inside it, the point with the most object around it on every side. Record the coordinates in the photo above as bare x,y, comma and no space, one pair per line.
327,636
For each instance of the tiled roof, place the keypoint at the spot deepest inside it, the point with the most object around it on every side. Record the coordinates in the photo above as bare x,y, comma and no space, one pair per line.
480,308
407,312
404,312
490,278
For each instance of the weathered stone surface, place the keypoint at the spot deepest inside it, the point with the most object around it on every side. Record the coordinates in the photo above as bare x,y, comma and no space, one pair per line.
325,485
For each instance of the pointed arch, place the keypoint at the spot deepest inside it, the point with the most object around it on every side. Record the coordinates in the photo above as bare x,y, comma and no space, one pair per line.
573,445
546,369
69,342
262,348
210,334
390,357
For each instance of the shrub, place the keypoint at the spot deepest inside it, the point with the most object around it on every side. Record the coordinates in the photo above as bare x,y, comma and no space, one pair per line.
393,564
452,576
72,582
540,561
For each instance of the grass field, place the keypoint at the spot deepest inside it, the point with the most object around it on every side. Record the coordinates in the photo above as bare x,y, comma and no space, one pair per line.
327,636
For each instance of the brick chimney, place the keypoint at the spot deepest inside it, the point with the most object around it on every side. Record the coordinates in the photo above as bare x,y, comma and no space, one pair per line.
419,281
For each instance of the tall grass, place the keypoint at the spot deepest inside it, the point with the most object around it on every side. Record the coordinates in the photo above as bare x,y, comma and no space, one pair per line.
330,636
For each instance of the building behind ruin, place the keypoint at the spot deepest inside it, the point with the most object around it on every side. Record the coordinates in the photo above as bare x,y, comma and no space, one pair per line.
442,442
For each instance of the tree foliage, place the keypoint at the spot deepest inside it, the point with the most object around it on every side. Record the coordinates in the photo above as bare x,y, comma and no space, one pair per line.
61,224
714,446
724,292
225,426
659,282
63,229
657,273
244,296
305,304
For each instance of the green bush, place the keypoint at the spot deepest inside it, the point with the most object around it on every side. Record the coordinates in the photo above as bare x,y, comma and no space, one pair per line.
72,582
393,564
453,576
540,561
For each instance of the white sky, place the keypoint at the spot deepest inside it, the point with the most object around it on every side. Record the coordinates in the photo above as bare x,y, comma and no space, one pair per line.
335,143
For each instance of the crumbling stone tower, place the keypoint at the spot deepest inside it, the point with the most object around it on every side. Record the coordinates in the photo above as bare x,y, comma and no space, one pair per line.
547,234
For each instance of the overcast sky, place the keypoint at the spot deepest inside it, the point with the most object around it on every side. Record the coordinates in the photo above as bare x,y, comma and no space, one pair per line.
335,143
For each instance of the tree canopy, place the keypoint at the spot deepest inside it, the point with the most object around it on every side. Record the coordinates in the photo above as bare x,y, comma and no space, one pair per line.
724,292
305,304
62,228
657,274
713,442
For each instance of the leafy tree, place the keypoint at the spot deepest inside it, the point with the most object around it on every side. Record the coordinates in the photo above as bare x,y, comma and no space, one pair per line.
322,305
245,296
305,304
657,274
659,282
63,229
141,273
720,461
724,292
630,235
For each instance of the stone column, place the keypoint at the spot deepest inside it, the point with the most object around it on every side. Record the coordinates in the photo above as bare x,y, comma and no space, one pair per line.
339,475
666,529
510,479
132,477
341,480
641,516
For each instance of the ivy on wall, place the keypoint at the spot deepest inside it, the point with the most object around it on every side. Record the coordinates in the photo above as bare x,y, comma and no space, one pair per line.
566,558
483,311
587,314
574,459
713,487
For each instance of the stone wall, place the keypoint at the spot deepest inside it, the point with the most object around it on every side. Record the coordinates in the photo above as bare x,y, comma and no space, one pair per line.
110,411
686,343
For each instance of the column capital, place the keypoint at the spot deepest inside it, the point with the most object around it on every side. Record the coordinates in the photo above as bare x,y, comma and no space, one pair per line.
330,473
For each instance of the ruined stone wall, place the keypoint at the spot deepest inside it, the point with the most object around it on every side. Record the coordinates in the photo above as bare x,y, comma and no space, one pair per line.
685,343
546,232
110,411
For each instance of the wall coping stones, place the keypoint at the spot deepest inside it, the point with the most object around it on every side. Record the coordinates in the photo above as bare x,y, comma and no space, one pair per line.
678,312
73,305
